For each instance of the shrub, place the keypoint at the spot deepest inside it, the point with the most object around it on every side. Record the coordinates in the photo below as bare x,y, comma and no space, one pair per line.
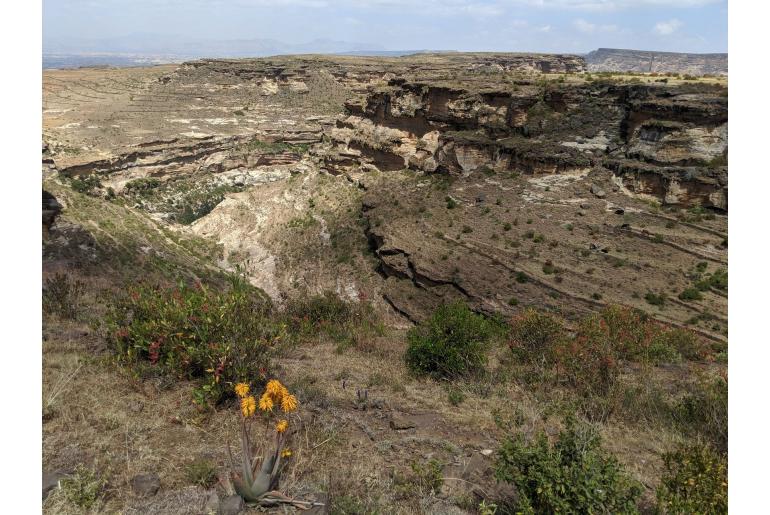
451,343
61,296
221,337
328,314
690,294
684,342
422,480
694,481
201,472
534,334
655,299
588,362
456,396
573,475
83,488
716,280
86,184
142,185
703,411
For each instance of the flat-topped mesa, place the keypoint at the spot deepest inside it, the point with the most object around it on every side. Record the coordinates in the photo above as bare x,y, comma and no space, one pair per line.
619,60
676,134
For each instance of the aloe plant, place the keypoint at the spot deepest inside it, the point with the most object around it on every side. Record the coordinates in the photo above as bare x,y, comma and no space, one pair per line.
257,482
254,482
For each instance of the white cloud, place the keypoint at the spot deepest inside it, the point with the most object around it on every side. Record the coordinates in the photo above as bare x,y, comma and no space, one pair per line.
587,27
580,5
584,26
666,28
544,28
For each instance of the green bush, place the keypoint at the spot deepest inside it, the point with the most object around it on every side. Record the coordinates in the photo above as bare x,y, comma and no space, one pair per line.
451,343
534,334
703,411
694,481
572,475
328,314
655,299
716,280
83,488
691,294
85,184
220,337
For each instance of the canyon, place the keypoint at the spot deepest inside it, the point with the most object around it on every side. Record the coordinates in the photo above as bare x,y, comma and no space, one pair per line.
382,188
506,180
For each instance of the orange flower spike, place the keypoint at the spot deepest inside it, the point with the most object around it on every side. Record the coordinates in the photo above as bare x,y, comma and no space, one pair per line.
248,406
242,390
281,426
265,402
275,390
289,403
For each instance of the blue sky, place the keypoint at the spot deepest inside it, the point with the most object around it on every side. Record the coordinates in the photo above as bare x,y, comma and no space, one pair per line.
476,25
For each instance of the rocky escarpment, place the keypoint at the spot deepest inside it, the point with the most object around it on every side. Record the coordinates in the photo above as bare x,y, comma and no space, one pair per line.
616,60
537,193
660,140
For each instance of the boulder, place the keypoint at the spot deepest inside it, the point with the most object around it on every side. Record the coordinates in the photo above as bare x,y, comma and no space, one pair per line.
597,191
51,481
145,485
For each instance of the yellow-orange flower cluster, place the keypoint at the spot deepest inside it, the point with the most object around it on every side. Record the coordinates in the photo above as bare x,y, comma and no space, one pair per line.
277,394
285,453
281,426
248,406
242,390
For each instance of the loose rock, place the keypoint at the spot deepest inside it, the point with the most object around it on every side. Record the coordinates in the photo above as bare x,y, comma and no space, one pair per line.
145,485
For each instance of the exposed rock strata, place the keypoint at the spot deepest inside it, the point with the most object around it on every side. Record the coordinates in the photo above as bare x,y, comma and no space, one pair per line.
616,60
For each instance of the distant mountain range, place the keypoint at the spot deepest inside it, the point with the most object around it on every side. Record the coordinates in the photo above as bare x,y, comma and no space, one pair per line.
142,49
170,45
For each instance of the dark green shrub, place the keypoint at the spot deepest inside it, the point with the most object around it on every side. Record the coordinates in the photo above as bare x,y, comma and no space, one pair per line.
694,481
219,337
451,343
572,475
142,185
655,299
716,280
691,294
85,184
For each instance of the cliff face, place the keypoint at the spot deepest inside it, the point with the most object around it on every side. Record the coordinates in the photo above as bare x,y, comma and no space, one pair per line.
616,60
666,141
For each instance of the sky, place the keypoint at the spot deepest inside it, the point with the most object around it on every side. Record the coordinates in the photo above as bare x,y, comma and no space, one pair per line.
476,25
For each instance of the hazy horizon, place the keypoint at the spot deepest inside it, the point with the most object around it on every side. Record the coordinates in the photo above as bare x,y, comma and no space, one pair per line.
261,27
